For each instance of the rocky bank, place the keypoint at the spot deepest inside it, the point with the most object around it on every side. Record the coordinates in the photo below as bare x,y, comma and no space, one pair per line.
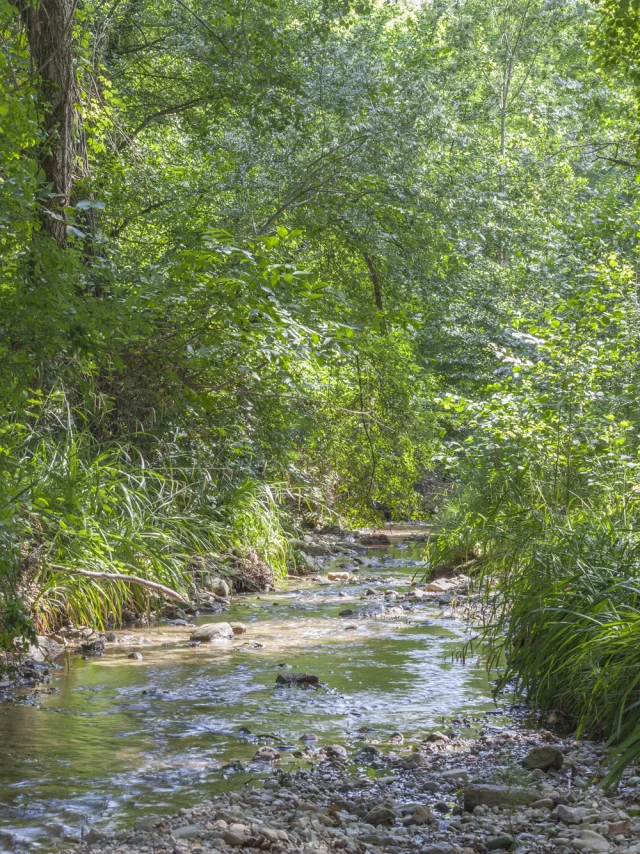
509,788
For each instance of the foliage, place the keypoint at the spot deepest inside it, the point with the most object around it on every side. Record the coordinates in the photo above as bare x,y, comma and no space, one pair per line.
315,250
549,504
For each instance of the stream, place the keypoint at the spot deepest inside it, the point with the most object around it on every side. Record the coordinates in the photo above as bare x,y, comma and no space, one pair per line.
120,738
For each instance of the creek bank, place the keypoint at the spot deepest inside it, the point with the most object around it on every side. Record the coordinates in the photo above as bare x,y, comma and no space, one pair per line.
214,579
446,795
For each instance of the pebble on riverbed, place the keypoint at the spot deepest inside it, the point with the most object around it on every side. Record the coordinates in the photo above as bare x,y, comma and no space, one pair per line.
462,797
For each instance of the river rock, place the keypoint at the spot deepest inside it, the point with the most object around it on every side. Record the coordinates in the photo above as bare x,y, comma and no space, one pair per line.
213,632
439,586
336,751
219,587
46,650
187,830
238,628
375,540
338,576
499,843
497,796
544,758
237,840
91,648
571,815
421,815
135,656
266,754
299,679
380,815
594,841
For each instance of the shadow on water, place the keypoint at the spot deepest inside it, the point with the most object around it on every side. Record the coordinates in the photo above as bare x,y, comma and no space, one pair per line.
121,737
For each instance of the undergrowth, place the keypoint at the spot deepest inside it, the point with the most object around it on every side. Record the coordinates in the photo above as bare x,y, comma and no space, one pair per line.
561,608
72,502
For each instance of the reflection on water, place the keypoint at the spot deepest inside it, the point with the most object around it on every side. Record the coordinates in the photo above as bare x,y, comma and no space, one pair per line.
123,736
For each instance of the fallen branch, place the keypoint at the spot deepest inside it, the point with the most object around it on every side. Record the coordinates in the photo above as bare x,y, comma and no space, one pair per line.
130,579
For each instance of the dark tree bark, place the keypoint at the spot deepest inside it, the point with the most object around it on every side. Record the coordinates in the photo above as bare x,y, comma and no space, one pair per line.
49,28
373,273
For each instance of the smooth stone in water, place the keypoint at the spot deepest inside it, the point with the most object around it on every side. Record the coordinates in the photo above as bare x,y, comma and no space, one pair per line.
299,679
266,754
238,628
47,650
212,632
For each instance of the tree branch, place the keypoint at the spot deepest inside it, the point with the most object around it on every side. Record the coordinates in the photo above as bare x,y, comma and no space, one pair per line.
128,579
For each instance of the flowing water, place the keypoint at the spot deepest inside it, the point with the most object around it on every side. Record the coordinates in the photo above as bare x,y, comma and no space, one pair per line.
118,738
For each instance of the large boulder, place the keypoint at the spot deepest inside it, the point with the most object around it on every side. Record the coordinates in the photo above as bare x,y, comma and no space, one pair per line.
210,632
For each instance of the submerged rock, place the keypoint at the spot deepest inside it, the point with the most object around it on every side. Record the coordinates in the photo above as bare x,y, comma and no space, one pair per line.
299,679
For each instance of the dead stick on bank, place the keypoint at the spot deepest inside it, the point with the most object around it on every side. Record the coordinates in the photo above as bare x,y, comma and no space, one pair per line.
130,579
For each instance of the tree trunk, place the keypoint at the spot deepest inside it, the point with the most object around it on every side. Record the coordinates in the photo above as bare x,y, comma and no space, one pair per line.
373,273
49,28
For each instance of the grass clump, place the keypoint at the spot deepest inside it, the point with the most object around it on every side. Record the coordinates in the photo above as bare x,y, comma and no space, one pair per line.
75,503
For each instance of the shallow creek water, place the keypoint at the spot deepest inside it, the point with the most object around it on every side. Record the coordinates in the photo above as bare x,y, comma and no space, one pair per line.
120,738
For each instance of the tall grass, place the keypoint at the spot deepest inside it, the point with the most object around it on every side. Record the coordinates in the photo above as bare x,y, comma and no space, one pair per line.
72,502
561,592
